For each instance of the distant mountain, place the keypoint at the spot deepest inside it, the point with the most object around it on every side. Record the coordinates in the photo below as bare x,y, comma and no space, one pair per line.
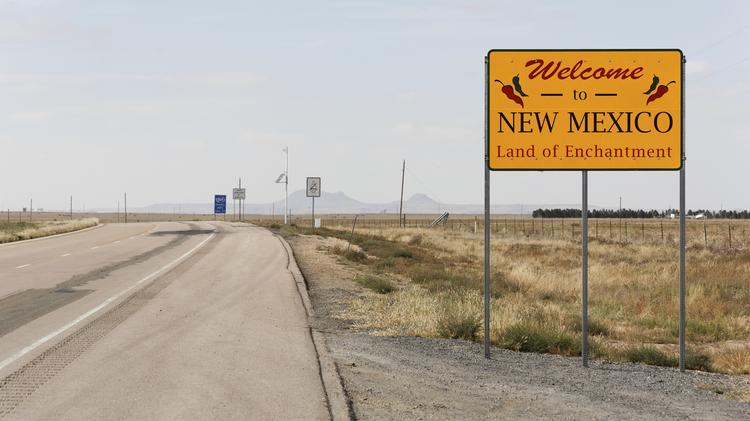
340,203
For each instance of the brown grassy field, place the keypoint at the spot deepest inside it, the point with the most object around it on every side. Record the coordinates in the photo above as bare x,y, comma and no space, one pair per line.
708,232
16,231
105,217
428,282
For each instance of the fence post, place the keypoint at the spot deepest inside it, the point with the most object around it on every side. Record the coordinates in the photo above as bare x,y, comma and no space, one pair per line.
352,234
626,231
661,224
730,235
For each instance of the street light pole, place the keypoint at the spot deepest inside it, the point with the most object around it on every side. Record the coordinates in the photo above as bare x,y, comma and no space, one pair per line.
286,184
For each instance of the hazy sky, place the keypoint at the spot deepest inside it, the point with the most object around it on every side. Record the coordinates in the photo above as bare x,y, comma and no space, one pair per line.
172,101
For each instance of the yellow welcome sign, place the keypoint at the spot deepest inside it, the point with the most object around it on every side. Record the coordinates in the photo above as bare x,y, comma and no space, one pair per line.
585,110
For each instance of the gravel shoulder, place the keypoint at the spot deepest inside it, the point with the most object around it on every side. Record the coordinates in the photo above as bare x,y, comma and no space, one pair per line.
428,378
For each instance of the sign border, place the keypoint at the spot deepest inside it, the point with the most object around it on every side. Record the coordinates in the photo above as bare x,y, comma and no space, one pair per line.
682,107
307,180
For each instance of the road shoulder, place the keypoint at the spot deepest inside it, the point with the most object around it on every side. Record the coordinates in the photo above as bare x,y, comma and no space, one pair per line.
424,378
337,401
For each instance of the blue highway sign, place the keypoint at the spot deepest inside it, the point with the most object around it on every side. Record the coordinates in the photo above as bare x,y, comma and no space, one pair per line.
220,203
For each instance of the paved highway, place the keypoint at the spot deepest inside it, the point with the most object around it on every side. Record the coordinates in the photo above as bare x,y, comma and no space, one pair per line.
155,321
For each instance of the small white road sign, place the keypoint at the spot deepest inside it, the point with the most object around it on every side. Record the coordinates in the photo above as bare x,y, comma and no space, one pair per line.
238,194
313,186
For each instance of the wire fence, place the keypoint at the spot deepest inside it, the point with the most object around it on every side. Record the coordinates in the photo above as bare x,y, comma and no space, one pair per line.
709,233
715,233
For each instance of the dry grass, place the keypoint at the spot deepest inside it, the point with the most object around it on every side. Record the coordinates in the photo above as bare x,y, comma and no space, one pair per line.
633,295
16,231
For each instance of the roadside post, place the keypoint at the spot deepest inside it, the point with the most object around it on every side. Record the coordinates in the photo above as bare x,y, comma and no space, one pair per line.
220,205
313,191
584,110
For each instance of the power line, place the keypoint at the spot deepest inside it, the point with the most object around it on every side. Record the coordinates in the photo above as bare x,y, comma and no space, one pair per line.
424,185
720,41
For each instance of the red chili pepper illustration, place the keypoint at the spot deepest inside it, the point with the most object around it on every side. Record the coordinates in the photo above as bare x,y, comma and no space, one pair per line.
660,91
510,93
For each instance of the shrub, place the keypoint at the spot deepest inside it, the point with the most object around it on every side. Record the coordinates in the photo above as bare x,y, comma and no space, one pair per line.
454,325
355,255
501,284
382,264
438,279
404,253
379,285
526,337
698,361
596,328
350,254
713,329
647,354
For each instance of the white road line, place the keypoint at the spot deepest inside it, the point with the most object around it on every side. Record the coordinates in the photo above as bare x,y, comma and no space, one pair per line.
94,248
117,242
65,255
13,358
23,266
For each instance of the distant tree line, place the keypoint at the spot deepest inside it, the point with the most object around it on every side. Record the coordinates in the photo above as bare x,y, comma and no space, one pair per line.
637,213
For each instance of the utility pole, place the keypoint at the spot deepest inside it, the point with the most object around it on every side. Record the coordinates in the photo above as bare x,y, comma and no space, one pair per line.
286,184
31,210
401,203
71,207
239,212
126,207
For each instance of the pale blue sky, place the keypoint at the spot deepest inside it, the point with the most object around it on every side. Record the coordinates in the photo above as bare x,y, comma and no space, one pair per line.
173,100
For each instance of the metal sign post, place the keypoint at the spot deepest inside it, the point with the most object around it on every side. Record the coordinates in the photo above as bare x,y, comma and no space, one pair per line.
682,268
585,268
313,191
486,218
682,237
584,110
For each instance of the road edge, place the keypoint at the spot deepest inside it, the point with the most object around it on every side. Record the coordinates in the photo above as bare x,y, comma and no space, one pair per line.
329,373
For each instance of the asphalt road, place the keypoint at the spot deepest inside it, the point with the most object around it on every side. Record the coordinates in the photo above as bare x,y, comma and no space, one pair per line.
155,321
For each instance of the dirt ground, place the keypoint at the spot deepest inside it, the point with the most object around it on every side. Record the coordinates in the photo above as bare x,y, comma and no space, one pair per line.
424,378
